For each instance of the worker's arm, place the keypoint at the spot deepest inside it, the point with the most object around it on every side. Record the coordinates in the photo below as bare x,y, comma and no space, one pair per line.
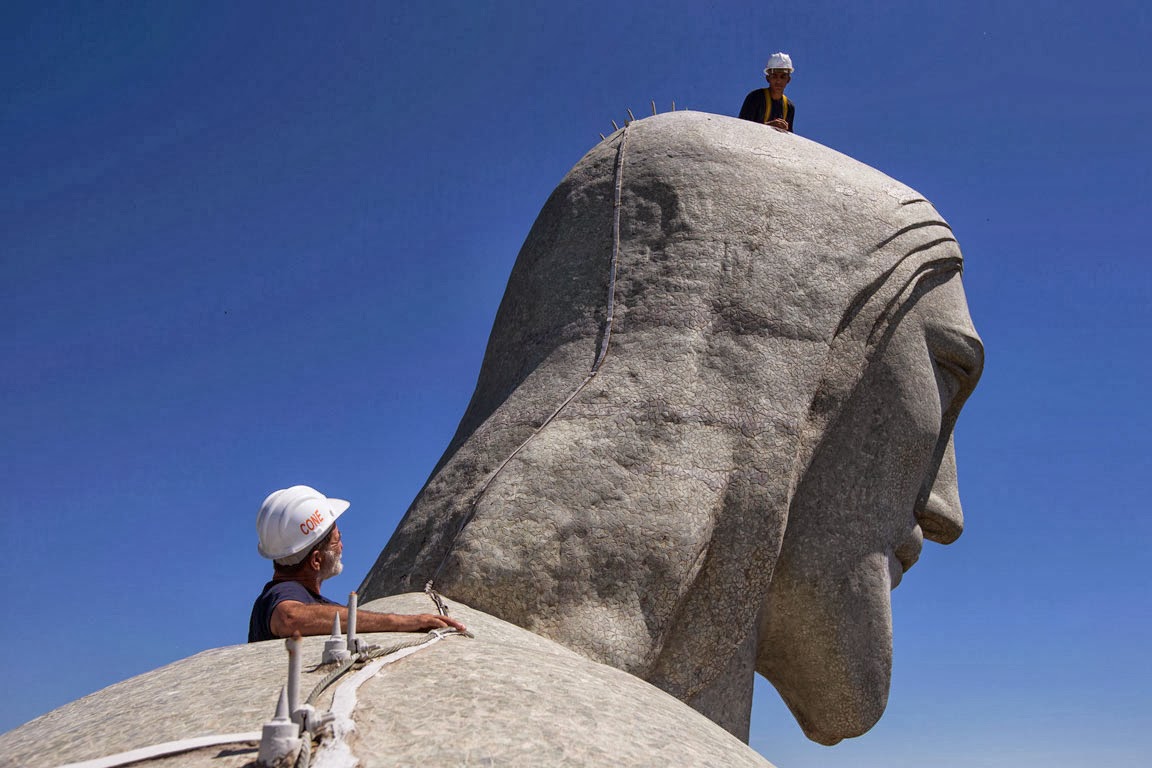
291,617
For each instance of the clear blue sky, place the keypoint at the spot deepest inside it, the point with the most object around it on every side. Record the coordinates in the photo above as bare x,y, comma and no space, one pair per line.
244,246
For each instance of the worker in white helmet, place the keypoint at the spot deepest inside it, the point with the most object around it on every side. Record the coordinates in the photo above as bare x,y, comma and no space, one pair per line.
770,106
297,532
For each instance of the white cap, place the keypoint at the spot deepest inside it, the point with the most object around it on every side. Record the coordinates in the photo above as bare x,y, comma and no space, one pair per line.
778,61
292,520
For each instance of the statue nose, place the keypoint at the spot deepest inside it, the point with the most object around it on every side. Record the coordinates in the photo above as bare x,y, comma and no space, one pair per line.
941,518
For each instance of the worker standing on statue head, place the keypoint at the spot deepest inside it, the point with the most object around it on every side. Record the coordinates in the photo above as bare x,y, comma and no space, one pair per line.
770,106
297,532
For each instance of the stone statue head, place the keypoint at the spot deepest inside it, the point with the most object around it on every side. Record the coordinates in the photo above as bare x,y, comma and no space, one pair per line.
713,423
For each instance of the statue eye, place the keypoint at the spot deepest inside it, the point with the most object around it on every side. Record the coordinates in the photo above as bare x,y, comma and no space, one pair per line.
955,377
959,356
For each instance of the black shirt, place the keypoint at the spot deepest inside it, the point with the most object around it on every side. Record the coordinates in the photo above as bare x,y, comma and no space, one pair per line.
276,592
753,109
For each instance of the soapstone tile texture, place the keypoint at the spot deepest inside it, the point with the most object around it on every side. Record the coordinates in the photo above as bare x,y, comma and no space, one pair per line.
711,433
506,697
712,426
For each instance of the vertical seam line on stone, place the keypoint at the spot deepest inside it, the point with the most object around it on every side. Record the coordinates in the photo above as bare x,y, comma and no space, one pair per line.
601,353
617,195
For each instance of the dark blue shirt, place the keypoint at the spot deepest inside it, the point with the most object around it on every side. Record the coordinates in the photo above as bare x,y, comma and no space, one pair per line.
276,592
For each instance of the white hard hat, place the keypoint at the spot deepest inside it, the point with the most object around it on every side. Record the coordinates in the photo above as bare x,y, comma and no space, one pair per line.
292,520
778,61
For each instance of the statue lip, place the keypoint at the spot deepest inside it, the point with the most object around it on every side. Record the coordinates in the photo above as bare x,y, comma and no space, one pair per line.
905,555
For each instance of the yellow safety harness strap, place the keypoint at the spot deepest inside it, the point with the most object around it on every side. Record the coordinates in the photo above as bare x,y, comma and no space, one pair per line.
768,105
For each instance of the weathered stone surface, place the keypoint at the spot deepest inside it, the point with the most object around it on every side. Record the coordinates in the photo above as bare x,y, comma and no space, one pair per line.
705,448
505,698
743,477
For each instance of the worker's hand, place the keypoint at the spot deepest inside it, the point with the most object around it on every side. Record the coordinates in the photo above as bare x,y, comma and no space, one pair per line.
434,621
370,621
779,124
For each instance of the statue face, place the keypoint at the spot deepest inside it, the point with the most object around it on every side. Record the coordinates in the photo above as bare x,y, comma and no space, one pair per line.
881,480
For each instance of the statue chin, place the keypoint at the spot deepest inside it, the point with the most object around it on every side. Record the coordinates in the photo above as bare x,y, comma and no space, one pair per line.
826,645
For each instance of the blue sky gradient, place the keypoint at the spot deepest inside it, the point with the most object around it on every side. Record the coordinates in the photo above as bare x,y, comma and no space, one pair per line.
244,246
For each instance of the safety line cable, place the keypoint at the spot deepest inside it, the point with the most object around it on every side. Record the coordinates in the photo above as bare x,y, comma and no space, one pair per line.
331,677
601,353
374,657
334,751
166,749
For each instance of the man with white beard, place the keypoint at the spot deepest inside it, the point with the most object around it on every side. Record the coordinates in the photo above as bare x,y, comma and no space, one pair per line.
298,533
